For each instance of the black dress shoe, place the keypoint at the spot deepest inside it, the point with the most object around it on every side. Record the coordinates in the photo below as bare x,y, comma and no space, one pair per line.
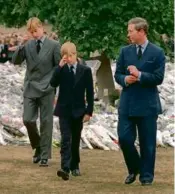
36,159
44,163
63,174
130,178
76,172
146,183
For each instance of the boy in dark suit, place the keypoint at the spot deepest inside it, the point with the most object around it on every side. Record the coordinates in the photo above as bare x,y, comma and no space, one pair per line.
75,84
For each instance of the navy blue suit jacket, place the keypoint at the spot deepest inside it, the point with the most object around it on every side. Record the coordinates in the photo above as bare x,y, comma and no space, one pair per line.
141,98
71,102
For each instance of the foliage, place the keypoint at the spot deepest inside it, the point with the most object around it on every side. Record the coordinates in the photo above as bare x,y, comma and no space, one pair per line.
94,24
15,13
102,25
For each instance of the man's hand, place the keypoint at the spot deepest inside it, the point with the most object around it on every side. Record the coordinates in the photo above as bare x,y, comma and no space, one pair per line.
130,79
63,61
86,118
25,38
133,71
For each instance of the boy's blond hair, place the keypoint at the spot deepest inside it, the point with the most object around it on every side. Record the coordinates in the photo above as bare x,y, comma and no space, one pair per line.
33,23
68,48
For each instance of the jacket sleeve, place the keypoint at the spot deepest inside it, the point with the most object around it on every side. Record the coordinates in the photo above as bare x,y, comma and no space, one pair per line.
155,78
19,55
89,92
55,80
56,54
120,70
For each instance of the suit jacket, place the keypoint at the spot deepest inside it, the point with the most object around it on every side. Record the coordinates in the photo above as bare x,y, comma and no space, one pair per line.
71,100
4,50
40,67
142,97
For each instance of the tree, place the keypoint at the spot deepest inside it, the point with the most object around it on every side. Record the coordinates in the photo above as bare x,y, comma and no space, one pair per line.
94,24
102,25
15,13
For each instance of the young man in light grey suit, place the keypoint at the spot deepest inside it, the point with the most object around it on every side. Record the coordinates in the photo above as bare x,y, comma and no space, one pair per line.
42,56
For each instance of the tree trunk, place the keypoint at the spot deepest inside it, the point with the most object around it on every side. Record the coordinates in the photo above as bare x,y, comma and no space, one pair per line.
105,79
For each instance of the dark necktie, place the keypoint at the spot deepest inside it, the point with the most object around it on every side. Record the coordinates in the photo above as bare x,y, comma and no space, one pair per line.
72,75
139,54
38,46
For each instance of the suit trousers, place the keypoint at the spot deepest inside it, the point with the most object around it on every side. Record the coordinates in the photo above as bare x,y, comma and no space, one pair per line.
70,128
144,162
43,138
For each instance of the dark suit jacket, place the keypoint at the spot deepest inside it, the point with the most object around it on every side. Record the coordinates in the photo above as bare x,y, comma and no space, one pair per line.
40,67
72,101
4,51
141,98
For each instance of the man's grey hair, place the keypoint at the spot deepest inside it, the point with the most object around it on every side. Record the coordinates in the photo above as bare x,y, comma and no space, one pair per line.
140,23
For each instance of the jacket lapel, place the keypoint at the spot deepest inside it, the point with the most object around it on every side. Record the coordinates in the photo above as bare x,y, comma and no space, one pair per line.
37,58
134,53
145,56
33,54
131,58
79,73
44,49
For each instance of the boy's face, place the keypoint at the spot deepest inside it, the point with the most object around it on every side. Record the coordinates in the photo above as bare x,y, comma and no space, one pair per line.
37,33
70,58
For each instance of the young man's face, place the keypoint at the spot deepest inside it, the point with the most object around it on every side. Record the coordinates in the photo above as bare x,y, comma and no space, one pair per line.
135,36
37,33
71,58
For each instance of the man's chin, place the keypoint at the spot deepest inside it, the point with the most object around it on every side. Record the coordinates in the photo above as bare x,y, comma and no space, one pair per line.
132,41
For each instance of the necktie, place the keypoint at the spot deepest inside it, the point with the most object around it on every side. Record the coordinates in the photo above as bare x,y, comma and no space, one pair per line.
38,46
72,69
139,54
72,75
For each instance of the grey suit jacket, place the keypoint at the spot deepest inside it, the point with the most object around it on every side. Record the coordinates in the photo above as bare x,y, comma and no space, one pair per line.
40,66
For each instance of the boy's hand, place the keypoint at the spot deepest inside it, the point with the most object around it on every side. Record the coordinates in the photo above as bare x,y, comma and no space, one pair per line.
63,61
86,118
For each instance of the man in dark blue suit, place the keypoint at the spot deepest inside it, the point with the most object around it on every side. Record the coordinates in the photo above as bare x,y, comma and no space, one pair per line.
74,106
140,68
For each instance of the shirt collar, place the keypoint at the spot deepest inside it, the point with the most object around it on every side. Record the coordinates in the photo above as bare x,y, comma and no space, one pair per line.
74,65
41,39
144,45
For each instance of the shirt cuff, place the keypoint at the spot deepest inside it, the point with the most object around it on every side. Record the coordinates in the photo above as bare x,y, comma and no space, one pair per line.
126,84
139,77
